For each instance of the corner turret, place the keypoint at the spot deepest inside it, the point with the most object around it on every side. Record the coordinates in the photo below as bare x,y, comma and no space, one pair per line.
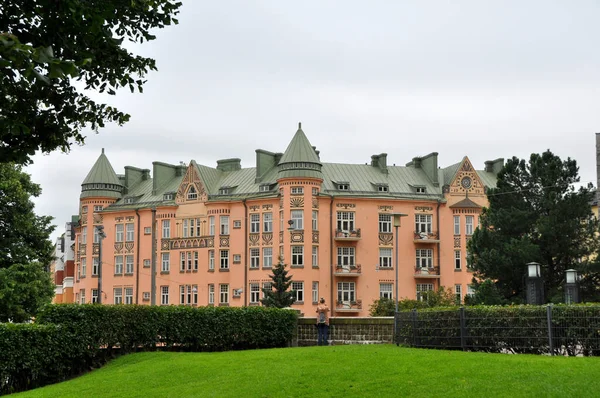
101,181
300,159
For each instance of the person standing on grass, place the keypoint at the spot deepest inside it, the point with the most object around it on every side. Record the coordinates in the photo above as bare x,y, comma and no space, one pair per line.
322,322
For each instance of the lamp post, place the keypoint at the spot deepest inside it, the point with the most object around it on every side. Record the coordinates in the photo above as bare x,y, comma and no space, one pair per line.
535,292
571,287
101,236
397,217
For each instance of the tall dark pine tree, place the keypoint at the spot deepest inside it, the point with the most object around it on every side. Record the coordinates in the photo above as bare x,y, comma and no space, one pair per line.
280,296
535,214
25,248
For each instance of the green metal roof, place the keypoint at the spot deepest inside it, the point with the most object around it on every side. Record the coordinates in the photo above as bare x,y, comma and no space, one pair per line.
102,172
300,150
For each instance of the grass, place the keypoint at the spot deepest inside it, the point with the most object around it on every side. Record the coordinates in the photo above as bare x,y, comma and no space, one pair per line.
358,370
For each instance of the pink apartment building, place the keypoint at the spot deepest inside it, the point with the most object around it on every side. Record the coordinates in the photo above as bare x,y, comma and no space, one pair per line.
218,231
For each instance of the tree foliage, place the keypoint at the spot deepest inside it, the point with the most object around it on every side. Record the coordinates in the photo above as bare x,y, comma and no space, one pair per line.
280,295
534,214
47,45
26,251
486,293
443,297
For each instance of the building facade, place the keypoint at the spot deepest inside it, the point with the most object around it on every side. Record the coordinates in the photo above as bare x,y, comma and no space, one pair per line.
62,268
197,235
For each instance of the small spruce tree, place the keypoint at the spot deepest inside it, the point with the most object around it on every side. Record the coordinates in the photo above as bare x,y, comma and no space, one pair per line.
280,295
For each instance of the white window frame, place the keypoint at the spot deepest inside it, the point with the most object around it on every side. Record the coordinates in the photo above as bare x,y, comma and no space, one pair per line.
164,295
297,190
83,266
422,289
166,229
129,232
118,265
119,232
182,257
211,293
95,265
385,257
94,296
224,259
129,295
386,290
223,293
298,289
424,258
254,289
254,257
96,235
297,216
82,296
165,262
267,222
297,256
266,286
469,225
118,295
345,220
254,223
267,257
457,260
315,292
346,256
211,225
315,256
129,264
83,235
456,225
315,220
192,193
458,293
423,223
211,260
224,225
385,223
346,292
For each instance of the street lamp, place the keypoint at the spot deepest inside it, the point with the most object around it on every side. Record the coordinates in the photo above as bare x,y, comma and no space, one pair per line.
571,287
101,236
535,293
397,217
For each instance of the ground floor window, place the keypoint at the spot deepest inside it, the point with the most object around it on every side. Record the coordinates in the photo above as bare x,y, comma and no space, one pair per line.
385,290
422,289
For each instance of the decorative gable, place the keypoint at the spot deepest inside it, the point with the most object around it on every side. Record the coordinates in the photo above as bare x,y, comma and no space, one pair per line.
466,181
191,188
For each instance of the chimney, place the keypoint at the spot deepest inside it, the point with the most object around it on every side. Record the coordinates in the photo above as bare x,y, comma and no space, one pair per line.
380,161
232,164
494,166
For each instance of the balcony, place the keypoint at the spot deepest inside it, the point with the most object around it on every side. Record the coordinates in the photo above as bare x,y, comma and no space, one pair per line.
426,237
427,272
347,270
348,306
347,235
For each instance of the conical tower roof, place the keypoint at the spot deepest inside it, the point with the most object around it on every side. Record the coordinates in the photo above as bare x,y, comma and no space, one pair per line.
101,180
300,159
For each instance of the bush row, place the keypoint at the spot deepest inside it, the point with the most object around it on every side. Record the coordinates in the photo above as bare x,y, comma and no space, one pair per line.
564,330
68,339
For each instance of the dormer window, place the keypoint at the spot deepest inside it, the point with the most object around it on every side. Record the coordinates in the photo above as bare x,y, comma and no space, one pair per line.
264,188
224,191
168,196
343,186
192,194
383,188
420,189
128,201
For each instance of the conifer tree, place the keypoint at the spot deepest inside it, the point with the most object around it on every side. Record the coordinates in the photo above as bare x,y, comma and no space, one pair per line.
280,295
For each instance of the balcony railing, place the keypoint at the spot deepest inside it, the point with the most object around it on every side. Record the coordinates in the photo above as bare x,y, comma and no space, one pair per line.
427,272
426,237
348,306
347,235
347,270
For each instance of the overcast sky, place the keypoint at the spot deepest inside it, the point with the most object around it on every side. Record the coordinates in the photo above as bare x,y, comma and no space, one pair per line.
485,79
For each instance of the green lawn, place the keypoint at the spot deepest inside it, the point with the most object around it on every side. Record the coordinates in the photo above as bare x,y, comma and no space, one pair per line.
358,370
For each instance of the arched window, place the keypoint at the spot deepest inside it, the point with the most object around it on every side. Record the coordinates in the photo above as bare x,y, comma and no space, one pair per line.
192,194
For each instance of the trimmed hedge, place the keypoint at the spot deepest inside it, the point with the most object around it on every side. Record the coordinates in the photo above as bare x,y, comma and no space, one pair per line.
69,339
574,329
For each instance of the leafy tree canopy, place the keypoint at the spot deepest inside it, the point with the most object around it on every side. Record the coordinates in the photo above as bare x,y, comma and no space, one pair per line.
47,45
280,295
535,214
443,297
26,251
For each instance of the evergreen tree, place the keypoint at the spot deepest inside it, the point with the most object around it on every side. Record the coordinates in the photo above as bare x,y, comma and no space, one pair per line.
535,214
280,295
25,248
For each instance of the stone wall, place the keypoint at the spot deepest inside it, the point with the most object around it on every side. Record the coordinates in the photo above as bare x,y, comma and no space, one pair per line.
368,330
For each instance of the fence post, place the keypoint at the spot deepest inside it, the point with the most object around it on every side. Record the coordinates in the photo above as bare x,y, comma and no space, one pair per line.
463,329
414,326
549,319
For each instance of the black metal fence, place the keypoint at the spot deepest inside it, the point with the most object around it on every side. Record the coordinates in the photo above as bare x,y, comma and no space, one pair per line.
549,330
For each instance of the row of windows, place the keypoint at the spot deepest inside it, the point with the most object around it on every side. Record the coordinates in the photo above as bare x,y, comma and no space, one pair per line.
469,225
188,294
